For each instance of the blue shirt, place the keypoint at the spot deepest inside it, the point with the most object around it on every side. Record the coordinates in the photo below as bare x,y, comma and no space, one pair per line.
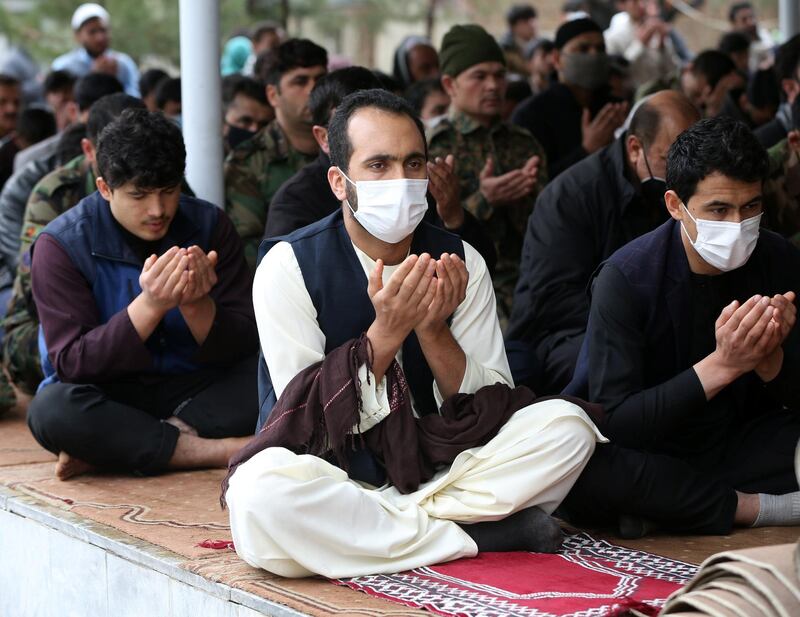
79,63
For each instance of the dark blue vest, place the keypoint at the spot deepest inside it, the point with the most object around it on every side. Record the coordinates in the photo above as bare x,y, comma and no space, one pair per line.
93,240
337,285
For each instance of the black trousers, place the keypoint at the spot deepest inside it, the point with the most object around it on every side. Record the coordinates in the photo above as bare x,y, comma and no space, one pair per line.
121,426
695,494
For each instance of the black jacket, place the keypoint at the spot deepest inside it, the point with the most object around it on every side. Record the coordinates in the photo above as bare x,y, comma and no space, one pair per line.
306,198
638,345
303,199
554,117
580,219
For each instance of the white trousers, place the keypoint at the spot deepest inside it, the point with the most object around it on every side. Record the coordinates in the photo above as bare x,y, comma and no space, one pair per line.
298,515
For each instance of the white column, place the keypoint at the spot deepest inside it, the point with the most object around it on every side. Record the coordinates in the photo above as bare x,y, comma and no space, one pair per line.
201,96
789,17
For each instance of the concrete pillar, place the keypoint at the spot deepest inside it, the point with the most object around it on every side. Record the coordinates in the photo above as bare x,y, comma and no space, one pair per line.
789,16
201,96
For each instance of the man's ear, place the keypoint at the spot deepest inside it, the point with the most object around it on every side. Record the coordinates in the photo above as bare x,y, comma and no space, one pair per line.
272,95
448,83
634,148
321,137
88,149
104,189
674,204
337,183
557,59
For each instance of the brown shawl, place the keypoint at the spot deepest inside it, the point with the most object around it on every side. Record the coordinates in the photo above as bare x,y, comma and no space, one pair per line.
318,410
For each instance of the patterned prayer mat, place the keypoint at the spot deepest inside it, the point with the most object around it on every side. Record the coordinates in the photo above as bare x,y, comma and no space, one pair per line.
179,512
587,578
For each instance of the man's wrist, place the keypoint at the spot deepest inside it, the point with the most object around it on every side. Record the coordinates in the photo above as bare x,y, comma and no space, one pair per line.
383,340
431,333
454,221
192,308
769,368
150,308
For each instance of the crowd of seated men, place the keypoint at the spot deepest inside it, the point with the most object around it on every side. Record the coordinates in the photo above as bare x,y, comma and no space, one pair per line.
441,312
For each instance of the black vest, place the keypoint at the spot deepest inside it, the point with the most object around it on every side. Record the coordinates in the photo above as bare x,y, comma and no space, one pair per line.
337,285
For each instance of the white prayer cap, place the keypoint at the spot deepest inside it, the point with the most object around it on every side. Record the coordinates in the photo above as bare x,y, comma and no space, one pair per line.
88,11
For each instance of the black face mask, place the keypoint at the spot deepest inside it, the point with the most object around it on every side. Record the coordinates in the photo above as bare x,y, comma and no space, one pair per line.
653,188
237,135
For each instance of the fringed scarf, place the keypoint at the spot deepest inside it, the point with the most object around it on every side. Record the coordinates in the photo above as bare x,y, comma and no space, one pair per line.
320,409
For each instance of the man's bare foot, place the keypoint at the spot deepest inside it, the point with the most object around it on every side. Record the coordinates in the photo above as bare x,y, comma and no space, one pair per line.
68,466
181,425
199,453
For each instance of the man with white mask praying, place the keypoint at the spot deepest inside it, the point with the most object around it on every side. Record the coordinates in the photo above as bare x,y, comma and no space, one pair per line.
691,346
396,440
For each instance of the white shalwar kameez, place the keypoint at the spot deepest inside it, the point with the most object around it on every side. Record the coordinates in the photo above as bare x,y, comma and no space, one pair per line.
298,515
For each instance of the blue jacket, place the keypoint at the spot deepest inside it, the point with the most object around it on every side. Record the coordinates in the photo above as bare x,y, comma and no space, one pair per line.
96,246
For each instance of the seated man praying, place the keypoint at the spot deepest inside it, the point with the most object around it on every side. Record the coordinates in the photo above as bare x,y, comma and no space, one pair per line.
389,325
691,345
147,327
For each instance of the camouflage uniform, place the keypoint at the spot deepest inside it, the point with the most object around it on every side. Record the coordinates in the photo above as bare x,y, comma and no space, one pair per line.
510,147
254,171
56,193
782,192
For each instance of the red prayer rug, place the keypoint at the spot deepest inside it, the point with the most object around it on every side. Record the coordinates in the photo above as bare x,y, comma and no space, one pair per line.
587,578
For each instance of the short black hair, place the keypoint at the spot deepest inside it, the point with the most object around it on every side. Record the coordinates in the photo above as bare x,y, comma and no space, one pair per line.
150,79
59,81
291,54
168,90
35,124
143,148
545,45
418,92
106,110
518,90
330,89
736,7
388,82
69,144
338,138
787,60
733,42
520,12
93,86
713,65
722,145
235,84
8,80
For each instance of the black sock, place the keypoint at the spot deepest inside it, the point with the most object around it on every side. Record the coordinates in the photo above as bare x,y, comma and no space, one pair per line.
527,530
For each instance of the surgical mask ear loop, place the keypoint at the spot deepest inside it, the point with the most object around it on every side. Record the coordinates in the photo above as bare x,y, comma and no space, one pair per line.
646,163
347,201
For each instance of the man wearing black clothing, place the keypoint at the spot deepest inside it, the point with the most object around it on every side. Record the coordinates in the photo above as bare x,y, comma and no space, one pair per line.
581,218
692,351
575,117
307,197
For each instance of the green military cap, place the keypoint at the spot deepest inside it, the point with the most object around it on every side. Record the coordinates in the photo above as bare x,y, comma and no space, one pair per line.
466,46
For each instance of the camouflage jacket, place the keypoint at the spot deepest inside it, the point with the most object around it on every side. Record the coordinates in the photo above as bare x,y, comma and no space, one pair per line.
254,171
56,193
782,192
510,146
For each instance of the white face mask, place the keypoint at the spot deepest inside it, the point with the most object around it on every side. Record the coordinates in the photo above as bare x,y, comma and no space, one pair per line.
390,210
722,244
